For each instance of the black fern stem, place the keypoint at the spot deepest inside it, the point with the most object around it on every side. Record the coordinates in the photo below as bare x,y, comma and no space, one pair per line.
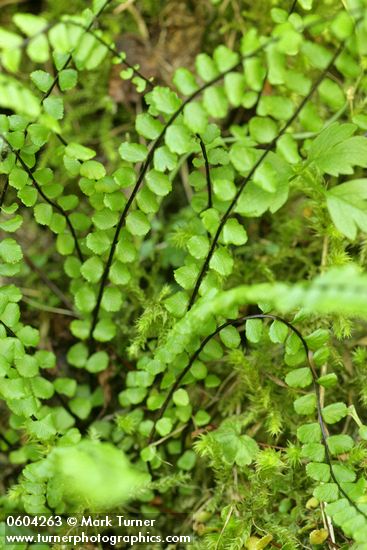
207,172
46,199
237,323
293,7
3,192
267,150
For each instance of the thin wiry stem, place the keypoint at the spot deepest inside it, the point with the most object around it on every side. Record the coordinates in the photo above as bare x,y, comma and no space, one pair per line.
3,192
263,156
207,172
293,7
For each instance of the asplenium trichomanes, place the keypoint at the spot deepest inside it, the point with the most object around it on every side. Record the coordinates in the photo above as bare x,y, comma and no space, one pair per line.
246,170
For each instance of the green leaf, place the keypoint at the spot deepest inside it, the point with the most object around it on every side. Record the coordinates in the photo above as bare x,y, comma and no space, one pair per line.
262,130
335,412
254,330
278,332
97,362
185,81
206,67
98,242
318,471
93,170
331,93
215,102
18,178
30,24
328,380
42,429
186,276
199,370
80,152
119,274
92,269
164,100
77,355
54,107
309,433
235,85
81,407
306,404
181,398
10,316
28,196
201,418
347,206
178,139
27,366
225,58
43,214
266,176
279,107
12,225
328,492
334,152
10,251
299,378
255,72
195,117
105,219
339,444
164,426
65,244
41,387
159,183
66,386
29,336
85,299
105,330
137,223
313,451
288,148
187,461
133,152
148,126
164,159
317,55
38,49
306,4
42,80
221,261
68,79
125,176
112,299
230,337
224,190
198,246
344,474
